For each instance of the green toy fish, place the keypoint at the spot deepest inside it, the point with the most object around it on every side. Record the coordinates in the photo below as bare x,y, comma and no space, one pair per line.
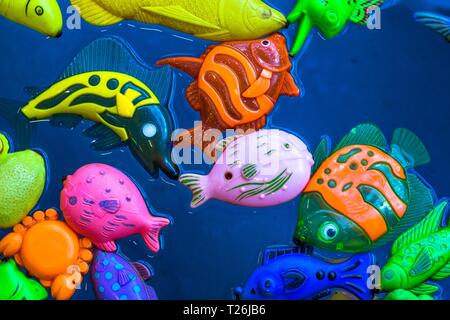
216,20
14,285
401,294
420,254
43,16
329,16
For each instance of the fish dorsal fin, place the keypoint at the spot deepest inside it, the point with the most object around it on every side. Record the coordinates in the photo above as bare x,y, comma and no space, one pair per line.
272,253
427,226
425,288
364,134
322,152
412,145
249,171
421,200
361,13
113,54
95,14
144,271
436,22
180,14
442,274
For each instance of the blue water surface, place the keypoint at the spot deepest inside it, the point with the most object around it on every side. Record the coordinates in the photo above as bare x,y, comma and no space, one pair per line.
394,77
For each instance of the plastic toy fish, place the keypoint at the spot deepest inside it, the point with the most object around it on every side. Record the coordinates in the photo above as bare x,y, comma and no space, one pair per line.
115,278
103,204
262,169
401,294
14,285
43,16
217,20
289,274
237,84
108,84
363,195
22,181
330,17
436,22
420,254
50,251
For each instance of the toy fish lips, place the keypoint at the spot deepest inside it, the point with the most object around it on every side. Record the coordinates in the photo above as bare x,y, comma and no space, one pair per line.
262,169
116,278
288,274
363,195
105,205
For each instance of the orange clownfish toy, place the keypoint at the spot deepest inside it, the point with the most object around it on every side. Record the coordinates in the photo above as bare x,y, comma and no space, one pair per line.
237,84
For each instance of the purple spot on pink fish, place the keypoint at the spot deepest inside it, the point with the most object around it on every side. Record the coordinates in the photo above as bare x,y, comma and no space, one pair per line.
110,206
73,201
108,190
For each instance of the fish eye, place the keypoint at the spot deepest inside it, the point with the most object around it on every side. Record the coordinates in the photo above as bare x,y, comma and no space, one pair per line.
149,130
287,146
266,13
39,10
265,43
266,286
228,176
328,231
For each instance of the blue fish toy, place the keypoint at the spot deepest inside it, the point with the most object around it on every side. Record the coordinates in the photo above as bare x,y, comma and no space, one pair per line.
109,85
288,273
116,278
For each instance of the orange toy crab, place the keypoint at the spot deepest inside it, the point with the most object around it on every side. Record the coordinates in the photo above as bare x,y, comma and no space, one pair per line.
50,251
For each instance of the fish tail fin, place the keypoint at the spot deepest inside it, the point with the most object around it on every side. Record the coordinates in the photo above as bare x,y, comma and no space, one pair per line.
189,65
151,232
412,145
95,14
10,110
436,22
198,185
354,274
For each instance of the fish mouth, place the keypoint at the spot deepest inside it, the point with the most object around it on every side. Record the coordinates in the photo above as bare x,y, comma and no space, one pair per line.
321,294
170,169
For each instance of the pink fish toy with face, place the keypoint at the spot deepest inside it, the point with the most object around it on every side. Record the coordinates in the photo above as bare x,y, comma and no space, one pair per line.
262,169
104,205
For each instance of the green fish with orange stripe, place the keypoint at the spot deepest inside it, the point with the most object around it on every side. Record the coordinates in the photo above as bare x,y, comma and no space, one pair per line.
364,194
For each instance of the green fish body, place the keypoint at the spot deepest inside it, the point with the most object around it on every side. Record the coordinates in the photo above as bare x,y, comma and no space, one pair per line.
329,17
420,254
217,20
401,294
14,285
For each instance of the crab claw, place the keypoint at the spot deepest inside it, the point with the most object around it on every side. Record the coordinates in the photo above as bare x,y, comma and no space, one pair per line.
11,244
64,286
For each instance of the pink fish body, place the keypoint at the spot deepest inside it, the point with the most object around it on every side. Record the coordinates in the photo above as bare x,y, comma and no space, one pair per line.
104,205
261,169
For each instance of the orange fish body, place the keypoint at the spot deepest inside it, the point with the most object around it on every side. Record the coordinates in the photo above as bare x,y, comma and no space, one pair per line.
238,83
363,194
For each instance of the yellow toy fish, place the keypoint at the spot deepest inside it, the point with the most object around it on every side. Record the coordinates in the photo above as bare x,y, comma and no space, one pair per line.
43,16
217,20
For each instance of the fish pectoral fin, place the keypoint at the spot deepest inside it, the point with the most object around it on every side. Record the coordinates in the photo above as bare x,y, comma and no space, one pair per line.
180,14
125,108
425,288
95,14
260,86
289,88
103,137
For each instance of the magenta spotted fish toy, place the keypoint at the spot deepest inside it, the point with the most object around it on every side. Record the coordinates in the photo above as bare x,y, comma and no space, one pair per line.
261,169
103,204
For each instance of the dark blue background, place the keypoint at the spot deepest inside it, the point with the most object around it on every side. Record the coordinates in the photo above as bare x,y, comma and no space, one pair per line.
396,76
